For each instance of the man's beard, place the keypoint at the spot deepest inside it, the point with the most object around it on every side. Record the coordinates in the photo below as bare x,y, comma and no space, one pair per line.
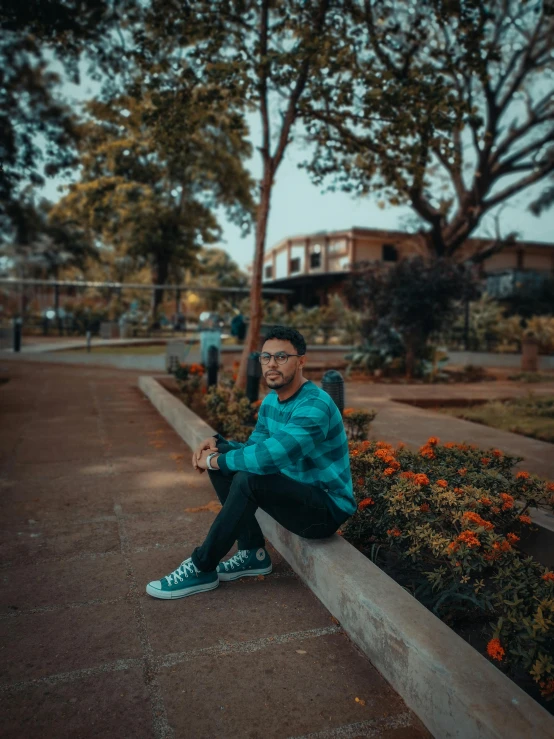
278,382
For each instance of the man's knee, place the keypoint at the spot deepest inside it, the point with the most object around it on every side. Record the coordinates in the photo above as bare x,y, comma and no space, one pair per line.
243,481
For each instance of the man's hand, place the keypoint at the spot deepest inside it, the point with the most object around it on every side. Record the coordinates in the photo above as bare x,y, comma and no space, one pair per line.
209,445
202,461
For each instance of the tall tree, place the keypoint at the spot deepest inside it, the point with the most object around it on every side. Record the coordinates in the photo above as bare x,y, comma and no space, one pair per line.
40,44
152,176
48,243
266,54
445,105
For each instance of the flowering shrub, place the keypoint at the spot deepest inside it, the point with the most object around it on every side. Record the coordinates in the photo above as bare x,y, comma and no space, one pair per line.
189,380
230,412
446,522
356,423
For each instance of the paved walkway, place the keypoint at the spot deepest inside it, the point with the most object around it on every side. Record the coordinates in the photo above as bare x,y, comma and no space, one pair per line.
97,499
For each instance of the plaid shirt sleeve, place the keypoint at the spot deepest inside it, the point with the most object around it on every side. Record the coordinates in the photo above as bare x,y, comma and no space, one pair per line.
308,426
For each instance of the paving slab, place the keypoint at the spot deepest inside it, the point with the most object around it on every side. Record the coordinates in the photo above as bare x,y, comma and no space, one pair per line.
258,698
35,586
114,705
37,645
85,652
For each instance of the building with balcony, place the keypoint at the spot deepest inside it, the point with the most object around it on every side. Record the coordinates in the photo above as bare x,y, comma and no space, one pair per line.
316,265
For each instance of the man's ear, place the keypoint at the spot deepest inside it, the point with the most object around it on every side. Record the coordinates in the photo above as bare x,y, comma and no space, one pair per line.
302,360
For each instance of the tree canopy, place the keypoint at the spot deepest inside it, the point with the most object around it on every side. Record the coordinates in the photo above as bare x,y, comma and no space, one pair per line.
154,167
446,106
40,45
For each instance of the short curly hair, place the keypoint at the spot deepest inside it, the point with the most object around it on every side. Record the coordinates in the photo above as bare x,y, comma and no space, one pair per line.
286,333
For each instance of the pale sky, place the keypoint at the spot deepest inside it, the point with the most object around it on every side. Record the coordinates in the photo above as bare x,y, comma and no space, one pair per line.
299,207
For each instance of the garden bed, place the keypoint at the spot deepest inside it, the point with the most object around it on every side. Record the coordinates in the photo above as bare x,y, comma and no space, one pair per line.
452,688
531,416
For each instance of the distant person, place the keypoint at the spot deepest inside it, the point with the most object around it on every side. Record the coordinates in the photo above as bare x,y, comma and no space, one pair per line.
238,327
295,466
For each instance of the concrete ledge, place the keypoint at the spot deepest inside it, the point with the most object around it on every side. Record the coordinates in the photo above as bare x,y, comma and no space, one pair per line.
453,689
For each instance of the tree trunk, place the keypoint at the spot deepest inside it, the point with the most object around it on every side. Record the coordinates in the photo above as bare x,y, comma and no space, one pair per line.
253,337
410,361
159,277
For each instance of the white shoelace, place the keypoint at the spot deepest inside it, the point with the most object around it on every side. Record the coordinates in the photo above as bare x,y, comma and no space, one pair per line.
185,569
237,559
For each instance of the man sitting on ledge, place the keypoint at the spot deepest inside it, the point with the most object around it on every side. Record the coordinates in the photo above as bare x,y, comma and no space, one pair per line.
295,466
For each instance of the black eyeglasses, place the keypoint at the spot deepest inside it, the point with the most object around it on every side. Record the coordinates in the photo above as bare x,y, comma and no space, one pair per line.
280,357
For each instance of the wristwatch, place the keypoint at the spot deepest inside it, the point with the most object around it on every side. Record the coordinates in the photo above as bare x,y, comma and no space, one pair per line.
209,462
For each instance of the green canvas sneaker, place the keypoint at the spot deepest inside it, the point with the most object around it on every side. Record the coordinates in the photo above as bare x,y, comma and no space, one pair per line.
245,563
185,580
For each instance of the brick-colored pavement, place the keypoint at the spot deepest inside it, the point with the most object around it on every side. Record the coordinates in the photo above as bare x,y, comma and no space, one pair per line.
95,488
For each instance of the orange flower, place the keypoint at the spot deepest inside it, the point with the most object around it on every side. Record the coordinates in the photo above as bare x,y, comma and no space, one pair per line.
389,471
424,508
486,501
548,577
339,532
383,445
462,471
433,441
457,564
459,491
256,403
441,483
394,532
495,509
382,454
347,411
421,479
355,452
449,445
547,688
427,452
550,487
453,547
501,546
525,519
360,481
364,503
497,453
204,390
485,460
508,501
469,538
477,520
522,475
495,650
512,538
409,475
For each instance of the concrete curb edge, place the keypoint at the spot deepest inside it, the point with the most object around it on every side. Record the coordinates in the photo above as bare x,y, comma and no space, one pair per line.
452,688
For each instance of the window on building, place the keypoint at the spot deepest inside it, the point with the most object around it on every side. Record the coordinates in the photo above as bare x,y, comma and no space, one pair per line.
315,260
389,253
269,272
295,265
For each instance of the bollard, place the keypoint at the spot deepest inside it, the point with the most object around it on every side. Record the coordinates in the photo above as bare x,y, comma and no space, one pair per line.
212,365
17,326
253,374
89,336
333,384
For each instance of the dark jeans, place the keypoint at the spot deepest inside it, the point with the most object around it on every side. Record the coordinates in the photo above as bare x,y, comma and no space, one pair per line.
300,508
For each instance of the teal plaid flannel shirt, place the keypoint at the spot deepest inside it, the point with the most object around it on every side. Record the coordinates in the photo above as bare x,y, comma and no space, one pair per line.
303,438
